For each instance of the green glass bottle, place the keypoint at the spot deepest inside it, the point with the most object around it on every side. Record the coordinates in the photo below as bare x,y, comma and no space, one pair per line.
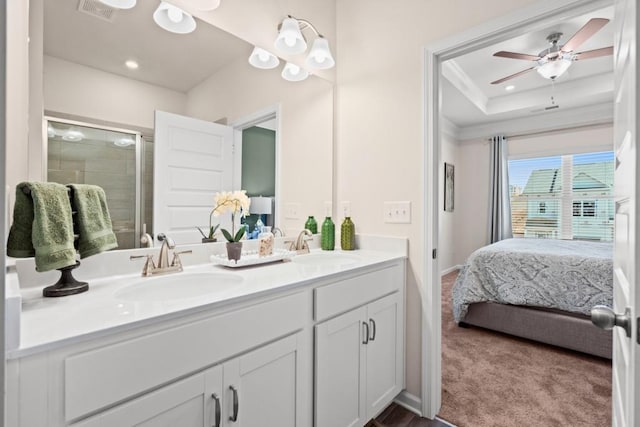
311,225
347,235
328,235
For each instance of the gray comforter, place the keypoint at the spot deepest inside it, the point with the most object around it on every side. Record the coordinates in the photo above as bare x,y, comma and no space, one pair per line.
563,274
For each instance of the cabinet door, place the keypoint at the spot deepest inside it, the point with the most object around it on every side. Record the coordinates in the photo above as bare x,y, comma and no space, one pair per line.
385,361
262,388
339,370
183,403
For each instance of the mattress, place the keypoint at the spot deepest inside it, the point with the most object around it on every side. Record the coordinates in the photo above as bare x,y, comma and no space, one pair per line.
567,275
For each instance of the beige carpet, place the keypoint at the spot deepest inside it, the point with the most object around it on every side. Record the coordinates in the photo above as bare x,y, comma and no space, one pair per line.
492,379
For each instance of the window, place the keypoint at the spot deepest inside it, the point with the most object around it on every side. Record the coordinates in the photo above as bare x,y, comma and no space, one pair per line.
567,197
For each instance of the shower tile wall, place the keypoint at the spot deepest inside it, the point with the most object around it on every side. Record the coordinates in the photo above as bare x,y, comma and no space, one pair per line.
102,163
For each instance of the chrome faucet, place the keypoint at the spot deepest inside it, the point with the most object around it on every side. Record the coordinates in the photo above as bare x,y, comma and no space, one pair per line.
301,245
163,266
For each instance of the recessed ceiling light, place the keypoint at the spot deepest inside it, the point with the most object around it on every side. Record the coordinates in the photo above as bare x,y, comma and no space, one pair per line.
510,87
131,64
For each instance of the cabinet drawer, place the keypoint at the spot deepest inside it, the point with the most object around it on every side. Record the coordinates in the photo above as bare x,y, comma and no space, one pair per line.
344,295
121,371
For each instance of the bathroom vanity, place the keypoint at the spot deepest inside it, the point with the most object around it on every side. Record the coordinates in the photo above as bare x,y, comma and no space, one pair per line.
317,341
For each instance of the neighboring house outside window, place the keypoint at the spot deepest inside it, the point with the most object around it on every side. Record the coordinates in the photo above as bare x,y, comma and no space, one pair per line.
540,208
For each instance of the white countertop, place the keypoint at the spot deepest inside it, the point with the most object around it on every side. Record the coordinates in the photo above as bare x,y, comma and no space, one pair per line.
47,323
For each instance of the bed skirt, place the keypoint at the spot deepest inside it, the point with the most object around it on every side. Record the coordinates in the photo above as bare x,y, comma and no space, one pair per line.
562,329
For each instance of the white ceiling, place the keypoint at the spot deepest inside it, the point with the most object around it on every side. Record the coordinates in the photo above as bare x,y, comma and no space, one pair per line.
469,98
174,61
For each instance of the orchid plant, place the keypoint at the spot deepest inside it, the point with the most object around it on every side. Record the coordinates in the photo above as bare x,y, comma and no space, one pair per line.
235,202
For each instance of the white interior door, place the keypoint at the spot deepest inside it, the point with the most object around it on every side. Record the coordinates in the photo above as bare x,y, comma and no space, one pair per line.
626,357
193,159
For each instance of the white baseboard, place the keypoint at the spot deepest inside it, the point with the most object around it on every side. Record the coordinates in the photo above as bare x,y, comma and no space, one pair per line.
450,269
409,402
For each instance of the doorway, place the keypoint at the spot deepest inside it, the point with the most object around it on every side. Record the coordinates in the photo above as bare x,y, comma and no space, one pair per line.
532,18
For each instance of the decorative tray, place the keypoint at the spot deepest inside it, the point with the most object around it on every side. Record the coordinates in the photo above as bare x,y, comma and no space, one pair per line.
252,258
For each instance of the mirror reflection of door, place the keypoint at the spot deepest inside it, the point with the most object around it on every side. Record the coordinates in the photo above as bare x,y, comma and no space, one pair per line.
110,158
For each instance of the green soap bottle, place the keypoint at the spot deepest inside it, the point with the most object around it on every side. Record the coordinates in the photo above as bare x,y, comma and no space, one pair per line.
347,235
311,225
328,235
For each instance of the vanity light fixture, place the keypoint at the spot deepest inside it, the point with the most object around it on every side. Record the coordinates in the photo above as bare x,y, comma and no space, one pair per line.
131,64
174,19
124,141
291,41
263,59
119,4
294,73
73,135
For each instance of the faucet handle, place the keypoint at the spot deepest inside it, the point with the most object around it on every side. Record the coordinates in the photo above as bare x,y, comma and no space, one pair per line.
176,262
149,265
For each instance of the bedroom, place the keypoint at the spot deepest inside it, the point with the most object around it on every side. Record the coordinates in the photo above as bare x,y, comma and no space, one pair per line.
551,126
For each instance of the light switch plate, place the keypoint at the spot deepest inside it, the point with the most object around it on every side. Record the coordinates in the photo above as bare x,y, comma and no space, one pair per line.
397,212
292,210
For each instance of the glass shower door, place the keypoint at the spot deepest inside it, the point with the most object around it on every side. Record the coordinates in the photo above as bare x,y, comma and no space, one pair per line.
109,158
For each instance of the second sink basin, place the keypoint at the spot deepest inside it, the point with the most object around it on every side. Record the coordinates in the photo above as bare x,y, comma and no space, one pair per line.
178,286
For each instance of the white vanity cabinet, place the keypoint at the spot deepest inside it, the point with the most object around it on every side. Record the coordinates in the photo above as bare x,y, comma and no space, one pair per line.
260,388
359,364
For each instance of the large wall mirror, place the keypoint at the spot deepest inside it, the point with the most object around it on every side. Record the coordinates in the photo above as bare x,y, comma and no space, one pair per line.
88,88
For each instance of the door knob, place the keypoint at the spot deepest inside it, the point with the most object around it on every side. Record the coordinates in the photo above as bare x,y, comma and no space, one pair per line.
605,318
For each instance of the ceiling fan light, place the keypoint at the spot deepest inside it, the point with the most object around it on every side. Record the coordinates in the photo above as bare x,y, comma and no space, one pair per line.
553,69
119,4
320,56
294,73
263,59
290,40
174,19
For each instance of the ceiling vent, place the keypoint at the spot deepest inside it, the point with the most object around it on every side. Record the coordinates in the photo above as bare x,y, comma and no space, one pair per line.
549,108
97,9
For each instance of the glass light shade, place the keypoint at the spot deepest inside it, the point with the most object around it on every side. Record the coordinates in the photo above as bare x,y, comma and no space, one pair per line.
207,4
124,141
260,205
320,55
290,40
73,135
554,69
263,59
294,73
174,19
119,4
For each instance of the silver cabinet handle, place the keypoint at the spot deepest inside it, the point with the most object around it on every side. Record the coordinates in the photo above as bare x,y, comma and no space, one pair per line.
373,330
605,318
216,400
236,404
365,339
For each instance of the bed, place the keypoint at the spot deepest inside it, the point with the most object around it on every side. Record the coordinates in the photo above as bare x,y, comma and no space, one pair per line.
540,289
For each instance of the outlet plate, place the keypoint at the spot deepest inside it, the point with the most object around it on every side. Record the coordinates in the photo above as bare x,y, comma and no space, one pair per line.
397,212
292,210
345,209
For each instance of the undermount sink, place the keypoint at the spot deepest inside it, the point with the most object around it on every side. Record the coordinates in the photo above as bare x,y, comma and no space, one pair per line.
178,286
338,259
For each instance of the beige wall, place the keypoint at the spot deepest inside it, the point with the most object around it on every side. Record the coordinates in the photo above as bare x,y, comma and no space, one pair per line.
304,159
84,91
473,176
379,119
448,220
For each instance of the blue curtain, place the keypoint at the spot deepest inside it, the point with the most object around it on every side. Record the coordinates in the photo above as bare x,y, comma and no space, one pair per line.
500,201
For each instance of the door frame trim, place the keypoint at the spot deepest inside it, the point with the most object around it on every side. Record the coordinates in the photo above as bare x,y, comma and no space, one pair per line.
530,18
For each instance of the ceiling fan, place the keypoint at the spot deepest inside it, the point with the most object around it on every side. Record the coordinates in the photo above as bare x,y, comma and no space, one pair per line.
556,59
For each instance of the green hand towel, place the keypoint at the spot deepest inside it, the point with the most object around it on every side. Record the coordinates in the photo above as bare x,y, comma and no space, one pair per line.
93,220
42,226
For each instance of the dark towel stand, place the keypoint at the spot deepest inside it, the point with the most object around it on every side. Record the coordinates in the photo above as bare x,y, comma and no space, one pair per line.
67,284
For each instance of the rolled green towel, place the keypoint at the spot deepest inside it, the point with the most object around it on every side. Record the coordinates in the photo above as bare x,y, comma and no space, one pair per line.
42,226
93,220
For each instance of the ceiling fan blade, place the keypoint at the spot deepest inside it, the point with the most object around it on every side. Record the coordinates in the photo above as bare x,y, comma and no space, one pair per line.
595,53
504,79
589,29
513,55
